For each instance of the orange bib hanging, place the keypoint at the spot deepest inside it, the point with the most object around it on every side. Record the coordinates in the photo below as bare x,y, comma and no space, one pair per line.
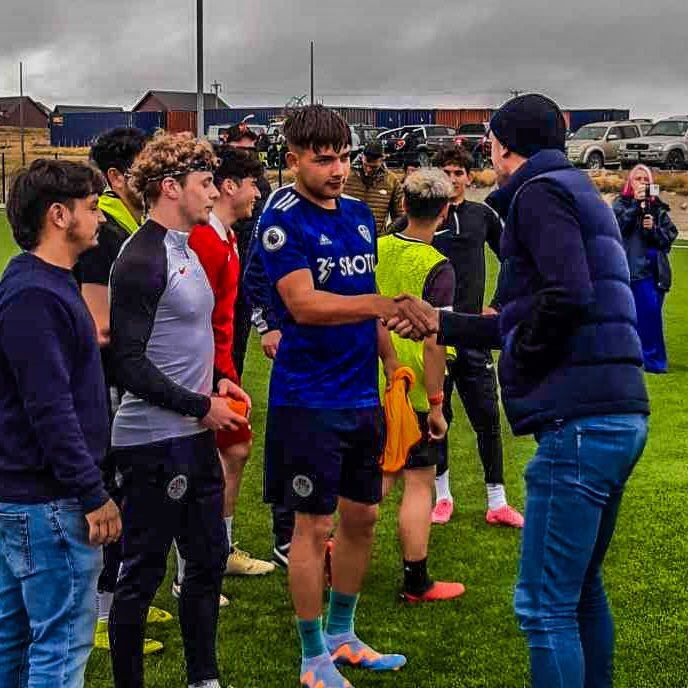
401,420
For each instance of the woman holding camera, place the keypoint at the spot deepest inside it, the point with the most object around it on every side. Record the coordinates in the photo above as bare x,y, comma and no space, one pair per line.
648,234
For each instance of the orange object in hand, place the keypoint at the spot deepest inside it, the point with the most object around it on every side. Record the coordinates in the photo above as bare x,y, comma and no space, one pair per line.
243,434
239,406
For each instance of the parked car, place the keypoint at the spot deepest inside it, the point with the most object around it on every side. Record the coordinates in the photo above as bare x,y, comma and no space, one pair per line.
367,133
471,135
596,145
474,138
665,145
421,142
361,136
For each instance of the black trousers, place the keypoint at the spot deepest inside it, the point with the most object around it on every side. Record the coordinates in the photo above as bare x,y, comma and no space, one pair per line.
171,490
473,375
242,330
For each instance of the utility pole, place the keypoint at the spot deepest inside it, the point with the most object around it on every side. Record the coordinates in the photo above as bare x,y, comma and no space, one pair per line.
200,124
21,114
217,87
312,74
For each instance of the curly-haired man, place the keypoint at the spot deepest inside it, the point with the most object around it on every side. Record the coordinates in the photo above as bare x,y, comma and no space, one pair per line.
162,435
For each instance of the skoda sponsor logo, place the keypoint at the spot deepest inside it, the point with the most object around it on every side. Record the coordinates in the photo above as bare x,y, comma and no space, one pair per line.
349,266
274,238
302,486
365,233
177,487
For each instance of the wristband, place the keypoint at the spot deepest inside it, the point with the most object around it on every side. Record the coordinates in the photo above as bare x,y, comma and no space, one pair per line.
437,399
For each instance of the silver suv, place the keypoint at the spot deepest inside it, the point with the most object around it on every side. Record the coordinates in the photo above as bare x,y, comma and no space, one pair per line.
665,145
596,145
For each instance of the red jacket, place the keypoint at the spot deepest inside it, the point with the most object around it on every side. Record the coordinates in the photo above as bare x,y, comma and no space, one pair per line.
217,250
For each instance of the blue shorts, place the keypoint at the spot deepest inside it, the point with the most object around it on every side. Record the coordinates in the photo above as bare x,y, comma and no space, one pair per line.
315,456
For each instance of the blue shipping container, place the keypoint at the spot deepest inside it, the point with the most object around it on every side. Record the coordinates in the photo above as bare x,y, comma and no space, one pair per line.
260,115
579,118
213,117
83,128
149,122
391,119
355,115
236,115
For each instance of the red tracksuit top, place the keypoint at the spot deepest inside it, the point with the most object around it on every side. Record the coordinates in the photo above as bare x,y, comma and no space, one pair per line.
217,250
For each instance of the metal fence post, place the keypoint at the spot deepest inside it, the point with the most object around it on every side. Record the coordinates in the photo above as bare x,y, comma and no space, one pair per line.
279,167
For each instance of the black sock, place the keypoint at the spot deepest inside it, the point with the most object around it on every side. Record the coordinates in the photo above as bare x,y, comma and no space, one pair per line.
416,578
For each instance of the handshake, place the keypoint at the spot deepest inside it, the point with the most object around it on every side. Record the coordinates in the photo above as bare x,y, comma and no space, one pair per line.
409,317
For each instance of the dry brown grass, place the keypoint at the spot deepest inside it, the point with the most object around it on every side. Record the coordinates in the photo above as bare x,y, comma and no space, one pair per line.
613,182
36,145
609,182
481,178
484,179
273,177
672,181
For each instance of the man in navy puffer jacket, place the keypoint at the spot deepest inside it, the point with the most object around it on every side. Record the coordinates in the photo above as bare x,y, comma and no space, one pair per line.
571,374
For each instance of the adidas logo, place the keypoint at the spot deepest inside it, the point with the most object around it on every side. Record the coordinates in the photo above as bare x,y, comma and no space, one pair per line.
324,241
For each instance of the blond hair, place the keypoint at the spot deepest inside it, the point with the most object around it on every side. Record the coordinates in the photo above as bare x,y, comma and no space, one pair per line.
169,155
427,191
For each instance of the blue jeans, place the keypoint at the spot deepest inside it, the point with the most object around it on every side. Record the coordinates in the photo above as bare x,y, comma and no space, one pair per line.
574,486
48,576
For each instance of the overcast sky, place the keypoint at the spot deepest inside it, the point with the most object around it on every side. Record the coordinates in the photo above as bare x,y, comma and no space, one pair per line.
403,53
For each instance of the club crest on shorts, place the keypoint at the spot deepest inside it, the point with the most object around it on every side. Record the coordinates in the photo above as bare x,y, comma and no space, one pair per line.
274,238
177,487
365,233
303,485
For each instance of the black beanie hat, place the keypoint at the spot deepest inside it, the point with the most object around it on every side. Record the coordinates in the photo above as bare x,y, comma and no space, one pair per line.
528,124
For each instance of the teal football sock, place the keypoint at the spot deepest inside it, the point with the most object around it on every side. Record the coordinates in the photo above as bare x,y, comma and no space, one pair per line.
340,617
312,638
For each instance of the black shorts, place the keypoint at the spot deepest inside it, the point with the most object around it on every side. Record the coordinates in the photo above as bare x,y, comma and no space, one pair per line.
315,456
425,453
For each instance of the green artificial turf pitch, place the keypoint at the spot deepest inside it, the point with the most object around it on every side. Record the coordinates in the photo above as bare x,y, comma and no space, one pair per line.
473,642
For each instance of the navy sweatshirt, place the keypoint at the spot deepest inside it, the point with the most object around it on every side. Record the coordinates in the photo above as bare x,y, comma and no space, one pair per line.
53,411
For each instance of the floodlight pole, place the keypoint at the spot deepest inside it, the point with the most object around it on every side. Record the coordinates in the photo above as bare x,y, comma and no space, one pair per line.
312,74
21,114
200,124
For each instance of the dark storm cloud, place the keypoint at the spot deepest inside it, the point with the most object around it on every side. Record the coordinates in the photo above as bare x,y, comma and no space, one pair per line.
444,53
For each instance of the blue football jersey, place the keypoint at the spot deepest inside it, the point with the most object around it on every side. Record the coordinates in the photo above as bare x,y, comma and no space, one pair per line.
322,366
